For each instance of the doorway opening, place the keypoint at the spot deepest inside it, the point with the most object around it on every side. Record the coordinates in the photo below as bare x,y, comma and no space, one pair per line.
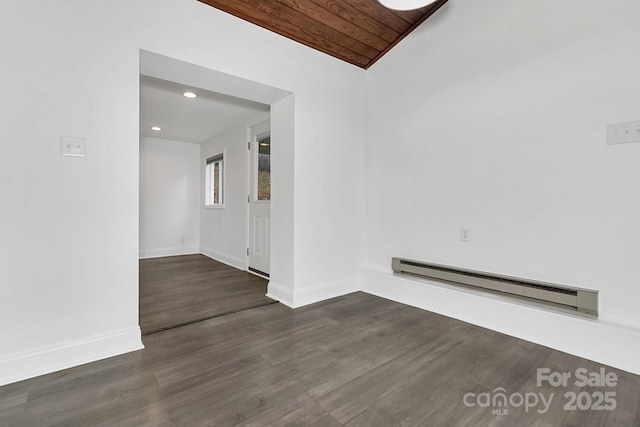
233,231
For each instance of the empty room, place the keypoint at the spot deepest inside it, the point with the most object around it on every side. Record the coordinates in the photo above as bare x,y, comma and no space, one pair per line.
320,213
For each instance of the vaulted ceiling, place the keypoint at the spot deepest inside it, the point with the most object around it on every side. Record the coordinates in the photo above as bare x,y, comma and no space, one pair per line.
356,31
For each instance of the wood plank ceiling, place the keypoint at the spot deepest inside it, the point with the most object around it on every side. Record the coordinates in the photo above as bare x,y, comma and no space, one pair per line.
356,31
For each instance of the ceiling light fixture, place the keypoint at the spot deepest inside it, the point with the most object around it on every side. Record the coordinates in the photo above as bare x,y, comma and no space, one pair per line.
405,4
155,128
189,95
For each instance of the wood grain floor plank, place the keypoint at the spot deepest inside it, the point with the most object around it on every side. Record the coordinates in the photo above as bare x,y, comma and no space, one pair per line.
357,360
177,290
13,402
307,415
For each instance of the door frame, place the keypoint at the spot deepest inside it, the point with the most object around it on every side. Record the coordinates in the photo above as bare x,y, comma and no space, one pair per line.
282,104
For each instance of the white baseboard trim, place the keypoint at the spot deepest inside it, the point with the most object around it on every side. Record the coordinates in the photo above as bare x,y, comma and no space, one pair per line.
280,293
325,291
51,359
162,252
240,264
593,339
312,295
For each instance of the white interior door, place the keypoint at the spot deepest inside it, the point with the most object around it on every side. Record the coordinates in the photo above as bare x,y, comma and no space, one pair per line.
260,198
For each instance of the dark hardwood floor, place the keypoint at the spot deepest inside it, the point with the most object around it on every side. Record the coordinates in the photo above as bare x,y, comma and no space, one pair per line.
178,290
356,360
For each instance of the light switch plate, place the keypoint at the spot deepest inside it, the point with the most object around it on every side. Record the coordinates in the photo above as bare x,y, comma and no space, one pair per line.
73,146
622,133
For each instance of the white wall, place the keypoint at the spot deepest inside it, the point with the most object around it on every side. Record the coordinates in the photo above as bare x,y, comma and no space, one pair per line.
492,116
69,247
169,197
282,207
223,230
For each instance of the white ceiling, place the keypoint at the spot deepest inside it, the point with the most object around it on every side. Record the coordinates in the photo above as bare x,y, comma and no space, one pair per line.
190,120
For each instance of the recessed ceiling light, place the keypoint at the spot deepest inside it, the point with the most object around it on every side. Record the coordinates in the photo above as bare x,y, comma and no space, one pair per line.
189,95
156,128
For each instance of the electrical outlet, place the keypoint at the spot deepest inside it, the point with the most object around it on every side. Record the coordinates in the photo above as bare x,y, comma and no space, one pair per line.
622,133
464,234
73,146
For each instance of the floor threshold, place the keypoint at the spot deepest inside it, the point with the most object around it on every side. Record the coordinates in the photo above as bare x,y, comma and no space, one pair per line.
202,319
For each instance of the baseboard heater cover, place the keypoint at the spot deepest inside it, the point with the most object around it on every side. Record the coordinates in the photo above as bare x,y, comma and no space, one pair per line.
584,301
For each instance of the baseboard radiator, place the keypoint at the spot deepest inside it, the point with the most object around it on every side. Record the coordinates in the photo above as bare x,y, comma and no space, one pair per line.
583,301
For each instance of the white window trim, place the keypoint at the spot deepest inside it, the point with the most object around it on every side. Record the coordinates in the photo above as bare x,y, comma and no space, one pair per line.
211,160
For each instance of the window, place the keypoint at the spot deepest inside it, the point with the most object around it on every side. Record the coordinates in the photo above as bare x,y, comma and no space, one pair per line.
214,177
264,168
